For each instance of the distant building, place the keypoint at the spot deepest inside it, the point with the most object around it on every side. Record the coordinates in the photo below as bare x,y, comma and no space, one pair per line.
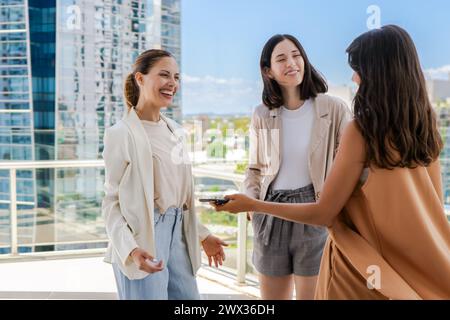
443,112
346,93
62,66
438,89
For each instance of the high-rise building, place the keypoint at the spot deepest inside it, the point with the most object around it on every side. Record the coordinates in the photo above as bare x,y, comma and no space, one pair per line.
171,41
438,89
62,65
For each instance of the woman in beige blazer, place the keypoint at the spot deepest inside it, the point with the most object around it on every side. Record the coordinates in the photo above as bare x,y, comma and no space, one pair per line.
149,206
294,136
382,201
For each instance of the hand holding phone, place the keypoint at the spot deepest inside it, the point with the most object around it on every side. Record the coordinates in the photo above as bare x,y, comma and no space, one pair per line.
152,262
217,201
145,261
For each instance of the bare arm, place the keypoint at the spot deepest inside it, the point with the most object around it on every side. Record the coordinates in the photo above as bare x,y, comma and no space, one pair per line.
337,189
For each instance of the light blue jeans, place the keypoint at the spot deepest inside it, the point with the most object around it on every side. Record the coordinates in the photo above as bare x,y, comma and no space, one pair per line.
176,281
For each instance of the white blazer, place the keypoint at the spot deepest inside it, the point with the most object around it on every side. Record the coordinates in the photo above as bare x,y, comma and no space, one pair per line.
128,205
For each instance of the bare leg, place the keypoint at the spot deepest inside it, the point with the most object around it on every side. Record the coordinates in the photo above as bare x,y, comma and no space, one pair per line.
305,287
276,288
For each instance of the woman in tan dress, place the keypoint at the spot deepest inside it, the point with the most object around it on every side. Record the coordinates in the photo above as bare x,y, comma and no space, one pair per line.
382,201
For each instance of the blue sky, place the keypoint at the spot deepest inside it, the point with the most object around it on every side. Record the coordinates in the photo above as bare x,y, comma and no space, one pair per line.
222,42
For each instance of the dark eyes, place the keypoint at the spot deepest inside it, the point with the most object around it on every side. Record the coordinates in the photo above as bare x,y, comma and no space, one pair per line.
284,59
166,75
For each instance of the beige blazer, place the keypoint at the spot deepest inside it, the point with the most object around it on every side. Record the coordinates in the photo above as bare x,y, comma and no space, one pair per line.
332,114
128,205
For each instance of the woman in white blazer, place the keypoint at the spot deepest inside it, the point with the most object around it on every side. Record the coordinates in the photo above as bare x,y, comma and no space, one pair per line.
148,206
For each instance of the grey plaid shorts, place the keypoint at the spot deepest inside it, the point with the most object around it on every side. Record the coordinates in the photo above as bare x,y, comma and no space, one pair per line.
282,247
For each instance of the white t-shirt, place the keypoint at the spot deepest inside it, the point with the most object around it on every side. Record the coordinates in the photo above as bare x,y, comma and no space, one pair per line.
296,129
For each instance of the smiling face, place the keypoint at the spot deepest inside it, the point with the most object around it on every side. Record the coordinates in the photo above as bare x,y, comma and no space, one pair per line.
287,66
160,84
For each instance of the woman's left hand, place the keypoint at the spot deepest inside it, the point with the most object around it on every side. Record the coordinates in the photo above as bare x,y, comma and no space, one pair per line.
213,247
238,203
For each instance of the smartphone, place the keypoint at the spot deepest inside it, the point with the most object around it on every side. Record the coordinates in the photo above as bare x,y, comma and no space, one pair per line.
152,262
218,201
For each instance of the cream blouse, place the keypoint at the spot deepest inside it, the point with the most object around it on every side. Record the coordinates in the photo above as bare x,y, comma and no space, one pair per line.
172,172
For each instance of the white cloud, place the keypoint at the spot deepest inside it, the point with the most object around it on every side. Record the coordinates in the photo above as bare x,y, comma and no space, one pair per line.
438,73
187,79
209,94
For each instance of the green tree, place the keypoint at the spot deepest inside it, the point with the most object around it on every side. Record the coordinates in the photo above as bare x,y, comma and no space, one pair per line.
241,167
216,149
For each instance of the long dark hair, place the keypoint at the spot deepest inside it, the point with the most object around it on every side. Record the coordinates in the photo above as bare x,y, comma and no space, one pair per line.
391,106
144,62
313,83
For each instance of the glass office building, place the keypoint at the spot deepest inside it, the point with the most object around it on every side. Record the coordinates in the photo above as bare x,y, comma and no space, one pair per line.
61,75
171,41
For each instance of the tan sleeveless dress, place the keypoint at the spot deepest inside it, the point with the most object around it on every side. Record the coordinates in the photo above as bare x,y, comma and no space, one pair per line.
392,234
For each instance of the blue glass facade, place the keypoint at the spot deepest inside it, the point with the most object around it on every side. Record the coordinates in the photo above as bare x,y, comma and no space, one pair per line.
61,80
42,22
16,123
171,41
42,17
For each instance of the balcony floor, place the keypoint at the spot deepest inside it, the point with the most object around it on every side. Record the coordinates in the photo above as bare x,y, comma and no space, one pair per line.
91,278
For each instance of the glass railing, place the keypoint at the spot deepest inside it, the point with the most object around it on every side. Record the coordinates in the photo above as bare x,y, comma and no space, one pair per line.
64,215
59,210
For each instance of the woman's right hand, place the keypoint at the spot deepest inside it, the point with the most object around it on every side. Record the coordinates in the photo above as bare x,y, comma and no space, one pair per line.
250,215
145,261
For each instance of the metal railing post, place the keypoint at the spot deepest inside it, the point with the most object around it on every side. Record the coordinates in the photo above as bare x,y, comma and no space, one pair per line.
241,241
13,209
242,248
